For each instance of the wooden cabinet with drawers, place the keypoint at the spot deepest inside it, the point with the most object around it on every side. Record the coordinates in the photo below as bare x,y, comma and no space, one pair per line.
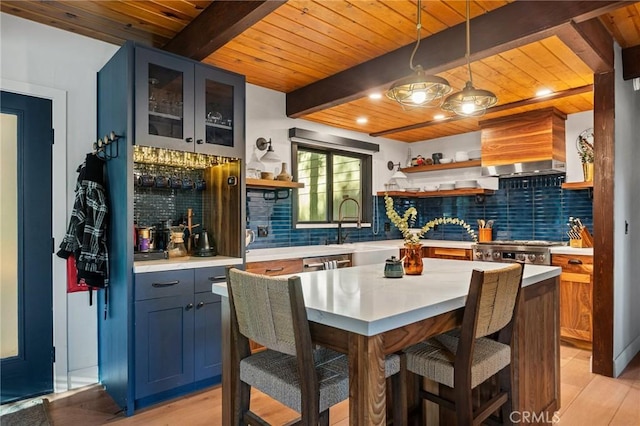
576,296
448,253
275,267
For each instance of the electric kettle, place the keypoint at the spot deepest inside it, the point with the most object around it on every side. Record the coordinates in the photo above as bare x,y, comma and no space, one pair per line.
205,246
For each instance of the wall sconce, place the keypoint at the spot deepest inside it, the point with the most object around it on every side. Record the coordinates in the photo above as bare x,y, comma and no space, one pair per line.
270,156
398,174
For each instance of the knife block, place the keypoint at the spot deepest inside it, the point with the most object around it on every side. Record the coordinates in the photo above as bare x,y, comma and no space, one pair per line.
587,239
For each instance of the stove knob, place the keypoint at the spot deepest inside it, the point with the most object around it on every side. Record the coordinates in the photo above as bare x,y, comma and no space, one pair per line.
520,256
487,254
532,257
479,254
541,258
496,255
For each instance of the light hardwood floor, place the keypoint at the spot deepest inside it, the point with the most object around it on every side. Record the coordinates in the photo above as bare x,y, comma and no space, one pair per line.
586,398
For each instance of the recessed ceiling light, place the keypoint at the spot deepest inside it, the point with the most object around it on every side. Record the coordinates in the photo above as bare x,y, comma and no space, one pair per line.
438,116
375,96
361,120
544,92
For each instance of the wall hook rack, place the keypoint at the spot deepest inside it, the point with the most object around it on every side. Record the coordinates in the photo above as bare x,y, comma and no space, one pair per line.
103,148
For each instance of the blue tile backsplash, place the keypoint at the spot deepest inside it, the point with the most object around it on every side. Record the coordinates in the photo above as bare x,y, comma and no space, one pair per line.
523,208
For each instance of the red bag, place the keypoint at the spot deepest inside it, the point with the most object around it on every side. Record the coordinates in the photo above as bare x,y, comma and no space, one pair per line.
72,277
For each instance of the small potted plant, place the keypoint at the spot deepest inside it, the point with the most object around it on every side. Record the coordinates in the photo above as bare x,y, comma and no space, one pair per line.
585,150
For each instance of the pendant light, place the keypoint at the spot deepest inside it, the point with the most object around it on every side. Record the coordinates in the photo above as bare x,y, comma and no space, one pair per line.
469,102
419,90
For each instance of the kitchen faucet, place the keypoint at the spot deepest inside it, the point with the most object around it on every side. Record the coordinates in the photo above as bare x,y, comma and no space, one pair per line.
341,218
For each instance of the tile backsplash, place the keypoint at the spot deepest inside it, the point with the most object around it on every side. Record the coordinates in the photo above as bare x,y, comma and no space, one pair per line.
523,208
152,205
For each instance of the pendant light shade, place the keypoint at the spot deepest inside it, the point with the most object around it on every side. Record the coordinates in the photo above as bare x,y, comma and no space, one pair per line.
469,102
419,90
270,156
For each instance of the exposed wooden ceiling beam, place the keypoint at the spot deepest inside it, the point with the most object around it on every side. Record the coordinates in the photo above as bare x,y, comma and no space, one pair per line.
505,28
591,41
503,107
219,23
631,62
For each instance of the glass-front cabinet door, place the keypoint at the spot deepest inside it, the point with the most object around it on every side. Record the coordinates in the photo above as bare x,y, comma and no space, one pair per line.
219,109
164,101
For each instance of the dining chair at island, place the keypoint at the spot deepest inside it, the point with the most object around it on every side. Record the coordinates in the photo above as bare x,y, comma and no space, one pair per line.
306,377
464,358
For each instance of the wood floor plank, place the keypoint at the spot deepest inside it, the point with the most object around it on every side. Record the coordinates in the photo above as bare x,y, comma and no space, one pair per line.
587,399
597,403
629,411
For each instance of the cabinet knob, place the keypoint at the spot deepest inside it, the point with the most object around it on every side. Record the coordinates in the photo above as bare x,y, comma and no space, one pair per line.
199,141
189,307
574,262
188,140
199,305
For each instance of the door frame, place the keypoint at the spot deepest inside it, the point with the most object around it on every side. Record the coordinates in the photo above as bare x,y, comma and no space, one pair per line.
59,218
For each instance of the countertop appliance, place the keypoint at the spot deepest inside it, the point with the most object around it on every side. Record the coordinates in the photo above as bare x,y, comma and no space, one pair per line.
326,262
527,251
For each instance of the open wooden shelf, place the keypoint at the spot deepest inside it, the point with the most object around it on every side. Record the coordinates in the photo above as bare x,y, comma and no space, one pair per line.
448,193
434,167
577,185
268,183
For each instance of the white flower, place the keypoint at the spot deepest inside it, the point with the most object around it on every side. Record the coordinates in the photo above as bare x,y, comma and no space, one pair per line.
409,217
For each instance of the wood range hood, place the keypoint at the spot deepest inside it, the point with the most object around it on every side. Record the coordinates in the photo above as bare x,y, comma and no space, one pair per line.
530,143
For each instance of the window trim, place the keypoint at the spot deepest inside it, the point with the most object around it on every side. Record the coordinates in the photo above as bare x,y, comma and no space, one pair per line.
366,178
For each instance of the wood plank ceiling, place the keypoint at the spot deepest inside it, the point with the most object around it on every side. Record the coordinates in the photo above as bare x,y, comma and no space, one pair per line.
288,46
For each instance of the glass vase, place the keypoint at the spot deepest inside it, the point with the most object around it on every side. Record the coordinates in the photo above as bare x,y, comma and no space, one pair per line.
413,259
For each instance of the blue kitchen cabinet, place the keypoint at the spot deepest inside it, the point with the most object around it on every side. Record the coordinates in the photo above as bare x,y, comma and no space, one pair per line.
164,331
178,333
208,324
184,105
147,346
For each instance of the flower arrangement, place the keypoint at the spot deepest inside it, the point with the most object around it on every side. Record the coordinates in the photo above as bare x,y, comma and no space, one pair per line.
408,218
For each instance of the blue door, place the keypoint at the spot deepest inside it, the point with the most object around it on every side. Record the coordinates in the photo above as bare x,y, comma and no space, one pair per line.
26,326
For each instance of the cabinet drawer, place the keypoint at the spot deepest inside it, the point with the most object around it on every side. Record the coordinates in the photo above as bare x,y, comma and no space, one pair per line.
204,277
449,253
152,285
278,267
573,264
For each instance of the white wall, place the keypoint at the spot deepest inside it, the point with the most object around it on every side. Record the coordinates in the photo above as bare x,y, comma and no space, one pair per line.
44,57
266,118
626,319
574,125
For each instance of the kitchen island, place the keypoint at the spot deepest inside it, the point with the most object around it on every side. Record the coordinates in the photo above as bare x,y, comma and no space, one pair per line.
359,312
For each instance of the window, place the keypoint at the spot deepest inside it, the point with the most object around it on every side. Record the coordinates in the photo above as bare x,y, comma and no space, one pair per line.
329,176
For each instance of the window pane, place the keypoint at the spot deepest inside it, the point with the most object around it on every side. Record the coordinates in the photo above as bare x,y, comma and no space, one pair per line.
347,178
312,199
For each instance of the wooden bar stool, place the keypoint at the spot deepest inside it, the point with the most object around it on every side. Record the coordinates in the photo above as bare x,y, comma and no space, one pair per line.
462,359
292,370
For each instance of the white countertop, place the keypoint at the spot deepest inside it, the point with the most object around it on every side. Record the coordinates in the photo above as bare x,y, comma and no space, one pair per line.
269,254
183,263
572,250
362,300
261,255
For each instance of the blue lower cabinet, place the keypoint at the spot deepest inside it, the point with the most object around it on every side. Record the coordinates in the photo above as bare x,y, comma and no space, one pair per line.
208,336
164,344
178,333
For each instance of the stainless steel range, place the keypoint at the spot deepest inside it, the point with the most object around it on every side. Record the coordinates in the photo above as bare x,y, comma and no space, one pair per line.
534,252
